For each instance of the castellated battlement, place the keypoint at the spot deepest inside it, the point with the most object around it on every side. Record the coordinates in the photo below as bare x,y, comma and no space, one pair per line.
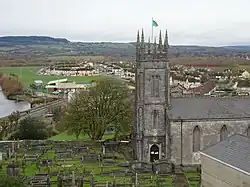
150,52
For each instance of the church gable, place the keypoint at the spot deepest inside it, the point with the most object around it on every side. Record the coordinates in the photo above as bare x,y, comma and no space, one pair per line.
210,108
177,90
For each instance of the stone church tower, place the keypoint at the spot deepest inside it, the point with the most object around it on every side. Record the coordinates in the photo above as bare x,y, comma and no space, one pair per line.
151,133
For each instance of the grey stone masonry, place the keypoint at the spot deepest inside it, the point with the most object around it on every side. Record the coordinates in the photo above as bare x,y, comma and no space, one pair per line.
151,100
210,134
176,129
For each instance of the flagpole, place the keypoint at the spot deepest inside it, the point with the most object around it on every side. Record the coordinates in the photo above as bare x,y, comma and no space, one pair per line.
152,34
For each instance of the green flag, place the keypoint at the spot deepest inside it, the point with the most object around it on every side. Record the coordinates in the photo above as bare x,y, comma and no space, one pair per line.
154,23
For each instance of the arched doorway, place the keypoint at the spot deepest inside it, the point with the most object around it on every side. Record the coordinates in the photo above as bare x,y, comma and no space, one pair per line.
154,153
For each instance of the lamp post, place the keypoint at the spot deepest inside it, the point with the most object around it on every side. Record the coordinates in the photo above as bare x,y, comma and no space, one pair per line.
181,120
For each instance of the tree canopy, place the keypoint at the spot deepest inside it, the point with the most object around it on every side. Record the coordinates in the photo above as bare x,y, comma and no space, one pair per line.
10,84
58,113
106,105
31,128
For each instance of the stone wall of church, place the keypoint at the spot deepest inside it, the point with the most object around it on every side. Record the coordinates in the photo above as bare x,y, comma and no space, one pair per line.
198,135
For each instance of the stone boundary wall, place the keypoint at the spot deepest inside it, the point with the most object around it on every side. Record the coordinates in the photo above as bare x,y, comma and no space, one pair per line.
69,143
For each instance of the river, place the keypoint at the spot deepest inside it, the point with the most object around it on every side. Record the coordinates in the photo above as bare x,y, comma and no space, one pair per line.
8,106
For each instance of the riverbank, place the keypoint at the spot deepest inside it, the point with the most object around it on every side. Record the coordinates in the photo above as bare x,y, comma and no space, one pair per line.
31,99
18,98
9,106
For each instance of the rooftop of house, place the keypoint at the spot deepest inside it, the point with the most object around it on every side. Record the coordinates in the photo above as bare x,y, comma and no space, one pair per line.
243,84
204,88
234,151
38,81
68,85
57,81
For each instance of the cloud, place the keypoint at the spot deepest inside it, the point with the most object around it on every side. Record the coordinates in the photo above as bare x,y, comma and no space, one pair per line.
199,22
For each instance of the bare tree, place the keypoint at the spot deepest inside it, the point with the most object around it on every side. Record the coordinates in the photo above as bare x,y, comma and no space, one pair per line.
106,105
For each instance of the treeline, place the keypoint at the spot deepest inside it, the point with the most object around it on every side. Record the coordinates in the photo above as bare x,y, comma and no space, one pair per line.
10,84
30,40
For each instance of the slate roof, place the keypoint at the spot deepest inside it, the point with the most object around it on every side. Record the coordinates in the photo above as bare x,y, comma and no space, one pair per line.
204,88
209,108
234,151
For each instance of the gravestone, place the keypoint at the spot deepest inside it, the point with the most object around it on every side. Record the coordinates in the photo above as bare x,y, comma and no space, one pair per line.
125,164
110,146
164,167
64,155
91,157
12,169
41,180
59,181
108,162
31,157
80,149
46,162
141,167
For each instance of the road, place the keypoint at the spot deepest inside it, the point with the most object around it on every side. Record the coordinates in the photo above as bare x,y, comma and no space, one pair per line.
42,109
39,111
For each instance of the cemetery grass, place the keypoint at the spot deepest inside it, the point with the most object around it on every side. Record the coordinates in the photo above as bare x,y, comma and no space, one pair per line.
28,75
66,136
76,165
193,179
192,176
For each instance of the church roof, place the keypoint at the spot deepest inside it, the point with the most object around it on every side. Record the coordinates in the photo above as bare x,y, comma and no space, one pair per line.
234,151
195,108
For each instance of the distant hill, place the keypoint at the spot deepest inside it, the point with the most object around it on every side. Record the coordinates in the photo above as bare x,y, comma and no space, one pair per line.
43,46
30,40
242,48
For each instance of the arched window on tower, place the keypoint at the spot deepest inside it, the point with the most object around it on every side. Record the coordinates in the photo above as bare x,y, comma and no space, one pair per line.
196,139
140,85
248,131
152,86
223,133
155,88
155,117
140,123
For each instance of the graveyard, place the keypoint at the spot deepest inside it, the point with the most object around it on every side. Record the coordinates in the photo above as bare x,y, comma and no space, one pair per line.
50,163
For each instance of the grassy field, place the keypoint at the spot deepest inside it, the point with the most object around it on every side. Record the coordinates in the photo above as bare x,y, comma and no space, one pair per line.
28,75
65,136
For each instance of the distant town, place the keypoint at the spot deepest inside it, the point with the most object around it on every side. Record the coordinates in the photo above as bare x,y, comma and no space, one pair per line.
184,81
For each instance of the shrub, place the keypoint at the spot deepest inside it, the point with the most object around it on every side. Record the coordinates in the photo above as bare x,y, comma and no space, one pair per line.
7,181
31,129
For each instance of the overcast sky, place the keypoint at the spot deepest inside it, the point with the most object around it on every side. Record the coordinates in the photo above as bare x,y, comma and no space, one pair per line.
201,22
